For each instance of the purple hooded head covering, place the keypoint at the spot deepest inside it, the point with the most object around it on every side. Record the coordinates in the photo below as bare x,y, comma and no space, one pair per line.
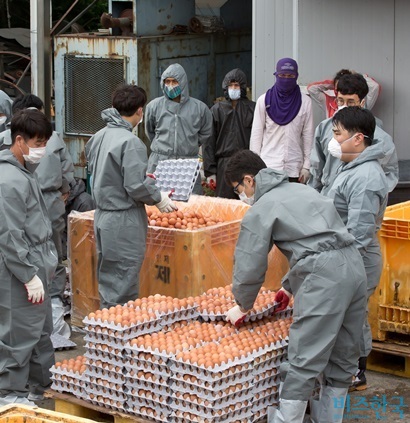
284,99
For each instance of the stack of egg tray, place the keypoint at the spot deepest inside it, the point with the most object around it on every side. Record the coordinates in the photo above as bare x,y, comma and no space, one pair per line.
148,374
68,381
219,394
266,379
177,175
105,347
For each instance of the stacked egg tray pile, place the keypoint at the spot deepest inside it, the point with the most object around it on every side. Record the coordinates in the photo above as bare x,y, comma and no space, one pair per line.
148,371
70,376
178,175
215,303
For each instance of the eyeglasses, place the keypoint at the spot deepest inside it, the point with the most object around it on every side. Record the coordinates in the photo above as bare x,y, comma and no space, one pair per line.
235,188
348,103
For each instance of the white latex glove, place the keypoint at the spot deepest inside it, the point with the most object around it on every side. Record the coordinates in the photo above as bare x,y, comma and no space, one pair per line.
235,316
211,178
35,290
282,299
304,175
166,205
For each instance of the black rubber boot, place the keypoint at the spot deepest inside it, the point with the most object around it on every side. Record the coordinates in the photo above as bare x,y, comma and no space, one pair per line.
359,379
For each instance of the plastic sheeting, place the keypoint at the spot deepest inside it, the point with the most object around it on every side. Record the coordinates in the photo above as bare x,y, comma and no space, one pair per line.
178,263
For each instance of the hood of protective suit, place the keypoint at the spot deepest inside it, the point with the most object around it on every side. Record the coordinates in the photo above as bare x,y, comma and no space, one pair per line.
373,152
177,72
5,108
238,76
113,119
268,179
9,157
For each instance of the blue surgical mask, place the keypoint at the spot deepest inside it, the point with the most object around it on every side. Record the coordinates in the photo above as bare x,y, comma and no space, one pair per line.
172,92
234,93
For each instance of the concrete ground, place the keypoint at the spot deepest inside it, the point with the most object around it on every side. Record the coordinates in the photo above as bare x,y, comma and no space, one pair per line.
379,402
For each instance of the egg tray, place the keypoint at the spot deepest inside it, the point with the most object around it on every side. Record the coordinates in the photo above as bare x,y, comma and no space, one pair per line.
259,416
214,392
117,395
149,413
108,403
183,416
102,351
267,374
147,378
66,379
178,175
158,389
148,395
270,355
156,405
68,376
103,369
284,314
78,391
269,364
146,366
120,332
212,384
265,403
105,358
266,385
134,357
251,316
108,383
182,314
211,402
94,338
216,372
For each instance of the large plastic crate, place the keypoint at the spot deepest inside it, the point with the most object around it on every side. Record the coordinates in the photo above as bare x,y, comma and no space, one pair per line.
389,309
179,263
24,414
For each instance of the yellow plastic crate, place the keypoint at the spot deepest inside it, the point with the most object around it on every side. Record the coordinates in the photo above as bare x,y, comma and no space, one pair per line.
178,263
24,414
390,306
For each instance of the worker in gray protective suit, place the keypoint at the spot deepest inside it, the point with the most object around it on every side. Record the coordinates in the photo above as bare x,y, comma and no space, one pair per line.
117,160
232,125
352,91
5,110
27,262
176,124
360,192
326,278
55,174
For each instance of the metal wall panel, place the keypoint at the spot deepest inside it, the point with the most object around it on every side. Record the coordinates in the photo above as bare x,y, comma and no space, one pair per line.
401,87
272,40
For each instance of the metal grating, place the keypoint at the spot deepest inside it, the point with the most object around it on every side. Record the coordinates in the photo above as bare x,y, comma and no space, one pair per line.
89,83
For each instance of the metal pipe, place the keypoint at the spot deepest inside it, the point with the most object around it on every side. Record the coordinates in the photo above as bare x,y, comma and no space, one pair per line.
76,18
64,15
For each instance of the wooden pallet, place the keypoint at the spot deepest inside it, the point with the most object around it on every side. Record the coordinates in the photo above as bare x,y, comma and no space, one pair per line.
73,406
390,358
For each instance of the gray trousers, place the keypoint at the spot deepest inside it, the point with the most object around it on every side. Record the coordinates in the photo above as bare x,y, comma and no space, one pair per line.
120,239
329,291
373,264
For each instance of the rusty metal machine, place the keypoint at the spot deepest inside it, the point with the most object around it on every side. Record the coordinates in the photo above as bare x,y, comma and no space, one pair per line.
138,40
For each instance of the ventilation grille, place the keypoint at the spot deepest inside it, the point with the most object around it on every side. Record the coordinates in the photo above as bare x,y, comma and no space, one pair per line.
89,83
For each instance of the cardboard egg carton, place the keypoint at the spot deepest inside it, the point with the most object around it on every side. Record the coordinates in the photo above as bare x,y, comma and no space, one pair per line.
107,392
109,383
183,379
269,364
214,402
134,385
103,369
178,175
151,413
122,332
267,374
64,375
107,402
146,380
147,367
104,357
240,415
266,387
78,391
98,351
154,395
177,315
215,391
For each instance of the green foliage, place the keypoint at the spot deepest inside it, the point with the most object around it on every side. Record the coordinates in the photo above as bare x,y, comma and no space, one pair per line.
90,21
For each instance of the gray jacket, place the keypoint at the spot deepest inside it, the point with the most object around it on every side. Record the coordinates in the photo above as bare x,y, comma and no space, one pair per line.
176,130
359,193
5,108
117,161
295,218
324,166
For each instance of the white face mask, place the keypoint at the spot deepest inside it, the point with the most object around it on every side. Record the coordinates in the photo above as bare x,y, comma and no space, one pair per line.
335,148
341,107
234,94
3,119
247,200
34,155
